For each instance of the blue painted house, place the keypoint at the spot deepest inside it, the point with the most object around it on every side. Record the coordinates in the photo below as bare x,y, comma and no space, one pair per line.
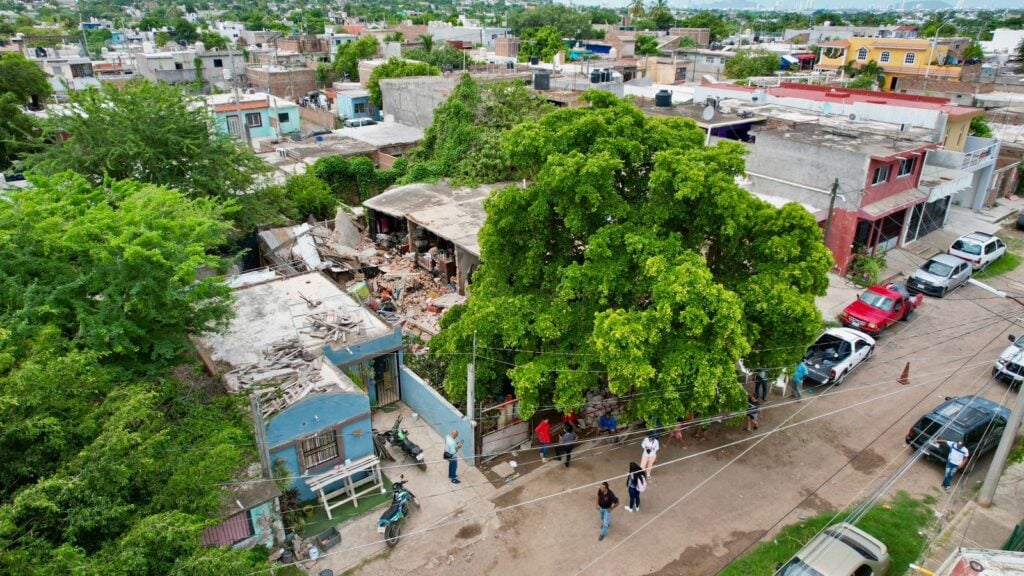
355,104
263,115
316,414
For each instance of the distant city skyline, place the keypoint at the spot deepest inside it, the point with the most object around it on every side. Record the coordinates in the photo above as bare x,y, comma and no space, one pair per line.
800,5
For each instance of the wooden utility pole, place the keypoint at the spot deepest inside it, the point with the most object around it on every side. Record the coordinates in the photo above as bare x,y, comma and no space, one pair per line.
831,207
995,469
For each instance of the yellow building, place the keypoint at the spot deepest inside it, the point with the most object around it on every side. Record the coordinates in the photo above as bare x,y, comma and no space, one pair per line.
898,58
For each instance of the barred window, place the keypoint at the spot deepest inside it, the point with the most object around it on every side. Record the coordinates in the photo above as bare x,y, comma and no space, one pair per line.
319,449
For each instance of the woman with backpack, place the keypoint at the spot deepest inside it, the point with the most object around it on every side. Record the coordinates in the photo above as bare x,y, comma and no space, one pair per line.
637,483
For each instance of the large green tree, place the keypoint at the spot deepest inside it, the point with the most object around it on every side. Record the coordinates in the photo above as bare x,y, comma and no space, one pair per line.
751,62
113,266
632,259
22,78
396,68
19,133
542,43
719,27
346,59
152,133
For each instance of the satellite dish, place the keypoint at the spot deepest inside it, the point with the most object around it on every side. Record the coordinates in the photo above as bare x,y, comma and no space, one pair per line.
826,108
708,113
853,116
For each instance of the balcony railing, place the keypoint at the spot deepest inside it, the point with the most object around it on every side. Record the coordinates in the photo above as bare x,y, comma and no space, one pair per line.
972,159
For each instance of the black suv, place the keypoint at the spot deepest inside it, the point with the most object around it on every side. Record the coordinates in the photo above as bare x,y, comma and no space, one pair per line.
966,418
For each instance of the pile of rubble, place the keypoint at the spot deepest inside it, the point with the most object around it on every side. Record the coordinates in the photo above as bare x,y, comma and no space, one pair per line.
597,405
331,326
285,374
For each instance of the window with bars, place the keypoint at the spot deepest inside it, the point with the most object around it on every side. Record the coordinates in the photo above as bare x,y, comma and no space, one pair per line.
253,120
909,58
885,58
319,449
862,54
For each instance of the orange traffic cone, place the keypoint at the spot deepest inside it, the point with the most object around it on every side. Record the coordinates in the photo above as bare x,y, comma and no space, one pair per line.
905,377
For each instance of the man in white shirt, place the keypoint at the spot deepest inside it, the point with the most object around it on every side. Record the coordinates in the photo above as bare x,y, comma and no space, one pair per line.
650,455
958,454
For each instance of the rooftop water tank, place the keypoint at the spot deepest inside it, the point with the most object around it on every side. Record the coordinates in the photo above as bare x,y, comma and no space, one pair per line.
663,99
541,80
595,76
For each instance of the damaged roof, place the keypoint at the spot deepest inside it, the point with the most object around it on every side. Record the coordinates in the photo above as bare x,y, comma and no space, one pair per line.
455,214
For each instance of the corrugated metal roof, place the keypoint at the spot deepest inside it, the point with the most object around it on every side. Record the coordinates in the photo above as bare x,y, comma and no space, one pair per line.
234,529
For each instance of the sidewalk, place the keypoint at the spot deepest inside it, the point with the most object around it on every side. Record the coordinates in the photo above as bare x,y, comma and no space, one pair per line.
440,499
977,527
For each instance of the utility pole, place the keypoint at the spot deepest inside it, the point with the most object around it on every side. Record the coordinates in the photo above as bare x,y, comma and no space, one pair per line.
471,398
995,469
261,436
831,207
242,124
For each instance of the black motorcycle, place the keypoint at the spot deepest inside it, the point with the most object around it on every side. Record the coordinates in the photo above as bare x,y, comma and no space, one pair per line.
398,437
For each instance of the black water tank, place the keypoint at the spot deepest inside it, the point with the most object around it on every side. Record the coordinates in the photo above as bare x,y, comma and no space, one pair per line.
541,80
510,65
663,99
534,60
595,76
606,75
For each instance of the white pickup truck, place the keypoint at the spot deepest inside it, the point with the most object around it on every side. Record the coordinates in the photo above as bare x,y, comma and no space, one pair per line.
835,354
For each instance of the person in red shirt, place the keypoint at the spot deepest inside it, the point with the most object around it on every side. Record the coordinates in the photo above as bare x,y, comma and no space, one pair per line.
570,419
543,431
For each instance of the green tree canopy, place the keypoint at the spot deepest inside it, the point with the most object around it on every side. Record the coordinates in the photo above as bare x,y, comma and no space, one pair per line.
542,42
443,58
153,133
719,27
19,133
22,78
633,259
396,68
568,21
113,266
973,51
752,62
646,45
213,41
980,128
346,59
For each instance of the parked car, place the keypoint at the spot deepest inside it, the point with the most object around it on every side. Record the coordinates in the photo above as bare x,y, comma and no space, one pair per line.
880,307
1009,366
359,122
976,421
978,248
840,550
836,353
940,274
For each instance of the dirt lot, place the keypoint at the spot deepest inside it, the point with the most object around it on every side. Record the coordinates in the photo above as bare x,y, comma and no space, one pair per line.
709,501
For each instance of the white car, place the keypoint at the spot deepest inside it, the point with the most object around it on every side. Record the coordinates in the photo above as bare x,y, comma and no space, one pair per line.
359,122
1009,367
835,354
840,550
978,248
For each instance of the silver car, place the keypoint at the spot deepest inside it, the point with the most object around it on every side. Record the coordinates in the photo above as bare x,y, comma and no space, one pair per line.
939,275
840,550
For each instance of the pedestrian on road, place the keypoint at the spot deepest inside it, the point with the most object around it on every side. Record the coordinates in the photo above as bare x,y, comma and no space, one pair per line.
753,412
606,502
637,483
798,380
761,385
958,454
543,431
650,447
677,433
565,444
452,445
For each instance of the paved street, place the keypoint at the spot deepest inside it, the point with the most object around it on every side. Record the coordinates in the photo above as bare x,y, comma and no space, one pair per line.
716,501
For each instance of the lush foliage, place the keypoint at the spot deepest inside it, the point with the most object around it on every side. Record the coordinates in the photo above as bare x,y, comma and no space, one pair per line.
112,266
751,62
19,133
152,133
898,524
355,179
542,43
213,41
865,269
443,58
22,78
638,263
980,128
973,51
396,68
646,45
715,22
569,22
463,142
346,59
309,196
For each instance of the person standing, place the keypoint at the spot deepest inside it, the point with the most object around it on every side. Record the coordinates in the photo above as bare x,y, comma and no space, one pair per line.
650,447
452,445
606,502
636,482
958,454
543,431
753,412
565,444
761,385
798,380
677,433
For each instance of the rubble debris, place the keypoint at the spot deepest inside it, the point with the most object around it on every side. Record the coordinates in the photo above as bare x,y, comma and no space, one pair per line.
331,326
285,374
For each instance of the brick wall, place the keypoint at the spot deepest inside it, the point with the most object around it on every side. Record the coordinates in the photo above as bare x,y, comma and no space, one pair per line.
292,84
840,239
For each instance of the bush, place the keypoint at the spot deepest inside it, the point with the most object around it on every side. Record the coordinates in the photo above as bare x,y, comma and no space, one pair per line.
866,270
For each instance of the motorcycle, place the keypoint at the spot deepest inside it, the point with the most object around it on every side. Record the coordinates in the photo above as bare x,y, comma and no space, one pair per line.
398,437
390,523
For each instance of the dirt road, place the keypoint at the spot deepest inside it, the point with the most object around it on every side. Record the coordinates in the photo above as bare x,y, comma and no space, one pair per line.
844,444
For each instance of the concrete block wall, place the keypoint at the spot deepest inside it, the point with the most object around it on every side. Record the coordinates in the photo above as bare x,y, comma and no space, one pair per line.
437,412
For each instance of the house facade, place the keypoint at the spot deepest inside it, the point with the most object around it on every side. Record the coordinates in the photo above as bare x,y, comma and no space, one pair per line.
898,58
216,68
261,115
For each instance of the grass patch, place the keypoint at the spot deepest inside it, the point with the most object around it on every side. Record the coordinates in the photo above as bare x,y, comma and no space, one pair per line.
320,522
896,527
1009,261
1017,454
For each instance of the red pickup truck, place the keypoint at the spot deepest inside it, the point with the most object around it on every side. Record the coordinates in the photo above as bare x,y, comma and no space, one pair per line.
880,307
